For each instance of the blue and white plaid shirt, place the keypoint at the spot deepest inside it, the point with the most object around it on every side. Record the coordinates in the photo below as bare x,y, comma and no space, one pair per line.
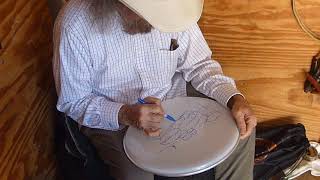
97,72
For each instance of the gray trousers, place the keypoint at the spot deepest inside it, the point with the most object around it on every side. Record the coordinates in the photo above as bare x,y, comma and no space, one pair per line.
239,166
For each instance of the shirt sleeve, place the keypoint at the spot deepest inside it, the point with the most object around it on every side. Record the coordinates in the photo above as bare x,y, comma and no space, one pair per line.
205,74
73,78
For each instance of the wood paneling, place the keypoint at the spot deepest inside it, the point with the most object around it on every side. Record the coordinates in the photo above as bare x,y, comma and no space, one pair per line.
257,42
260,44
26,91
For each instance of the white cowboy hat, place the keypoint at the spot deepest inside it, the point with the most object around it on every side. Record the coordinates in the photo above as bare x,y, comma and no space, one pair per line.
167,15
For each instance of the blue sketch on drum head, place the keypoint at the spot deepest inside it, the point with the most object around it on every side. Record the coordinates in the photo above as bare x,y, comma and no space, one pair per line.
186,126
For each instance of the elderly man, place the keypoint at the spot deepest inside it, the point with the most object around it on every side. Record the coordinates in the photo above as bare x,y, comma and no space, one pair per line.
109,53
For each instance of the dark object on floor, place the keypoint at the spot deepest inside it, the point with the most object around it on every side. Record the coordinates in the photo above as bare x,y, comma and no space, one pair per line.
312,84
277,148
208,175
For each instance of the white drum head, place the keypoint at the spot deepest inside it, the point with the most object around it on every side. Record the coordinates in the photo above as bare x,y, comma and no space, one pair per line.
203,135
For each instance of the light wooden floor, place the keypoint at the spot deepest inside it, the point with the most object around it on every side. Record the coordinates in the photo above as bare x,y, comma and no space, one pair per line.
260,44
307,176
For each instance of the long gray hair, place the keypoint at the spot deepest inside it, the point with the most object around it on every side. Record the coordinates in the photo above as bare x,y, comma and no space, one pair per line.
102,11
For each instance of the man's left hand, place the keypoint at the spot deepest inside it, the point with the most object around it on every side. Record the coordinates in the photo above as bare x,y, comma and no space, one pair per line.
243,114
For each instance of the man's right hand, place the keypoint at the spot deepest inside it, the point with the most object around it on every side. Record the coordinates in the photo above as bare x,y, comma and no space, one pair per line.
143,116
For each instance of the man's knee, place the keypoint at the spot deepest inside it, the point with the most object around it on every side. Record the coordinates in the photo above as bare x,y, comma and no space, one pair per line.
239,165
249,142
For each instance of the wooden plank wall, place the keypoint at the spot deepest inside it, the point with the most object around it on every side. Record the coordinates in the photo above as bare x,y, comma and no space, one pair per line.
257,42
26,91
260,44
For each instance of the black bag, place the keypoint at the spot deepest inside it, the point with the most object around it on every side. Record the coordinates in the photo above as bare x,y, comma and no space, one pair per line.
277,148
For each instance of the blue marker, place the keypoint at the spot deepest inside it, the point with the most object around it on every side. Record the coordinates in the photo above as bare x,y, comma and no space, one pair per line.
141,101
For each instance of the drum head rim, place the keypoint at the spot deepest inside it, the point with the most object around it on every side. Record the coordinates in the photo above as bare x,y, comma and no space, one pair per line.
208,167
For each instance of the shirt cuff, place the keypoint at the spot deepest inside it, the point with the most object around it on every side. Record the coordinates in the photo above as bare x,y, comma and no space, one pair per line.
224,93
110,115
